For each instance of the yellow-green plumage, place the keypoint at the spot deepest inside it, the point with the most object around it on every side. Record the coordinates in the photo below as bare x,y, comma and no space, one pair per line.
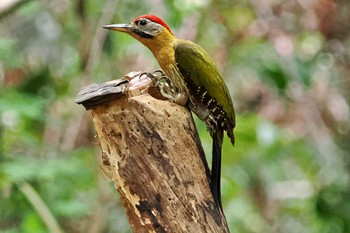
194,63
178,57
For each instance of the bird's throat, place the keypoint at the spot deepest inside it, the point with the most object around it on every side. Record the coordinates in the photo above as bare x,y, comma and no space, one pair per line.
162,47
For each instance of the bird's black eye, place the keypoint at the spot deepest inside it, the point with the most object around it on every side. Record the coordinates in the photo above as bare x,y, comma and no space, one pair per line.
142,22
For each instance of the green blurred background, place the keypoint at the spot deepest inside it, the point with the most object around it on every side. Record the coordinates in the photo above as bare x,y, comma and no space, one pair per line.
286,63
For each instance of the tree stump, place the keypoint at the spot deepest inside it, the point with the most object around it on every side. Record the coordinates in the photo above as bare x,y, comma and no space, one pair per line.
152,152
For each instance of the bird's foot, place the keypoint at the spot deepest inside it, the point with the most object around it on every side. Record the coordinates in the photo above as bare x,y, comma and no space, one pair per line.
166,88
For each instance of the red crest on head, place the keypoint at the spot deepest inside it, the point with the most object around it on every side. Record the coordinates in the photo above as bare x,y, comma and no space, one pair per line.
155,19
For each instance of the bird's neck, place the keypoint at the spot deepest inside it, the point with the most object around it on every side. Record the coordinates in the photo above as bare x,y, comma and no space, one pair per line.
162,47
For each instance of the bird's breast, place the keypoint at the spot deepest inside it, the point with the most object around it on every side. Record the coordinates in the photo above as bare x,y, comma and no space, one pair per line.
166,59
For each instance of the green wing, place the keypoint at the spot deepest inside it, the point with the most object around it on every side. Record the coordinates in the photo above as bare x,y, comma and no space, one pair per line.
195,63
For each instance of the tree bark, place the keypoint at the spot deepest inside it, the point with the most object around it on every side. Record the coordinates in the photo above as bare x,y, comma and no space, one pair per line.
152,152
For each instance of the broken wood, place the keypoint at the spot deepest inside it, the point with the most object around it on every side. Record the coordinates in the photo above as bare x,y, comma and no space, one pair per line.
152,152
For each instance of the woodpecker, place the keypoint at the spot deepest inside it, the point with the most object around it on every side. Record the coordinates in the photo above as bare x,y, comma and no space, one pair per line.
194,74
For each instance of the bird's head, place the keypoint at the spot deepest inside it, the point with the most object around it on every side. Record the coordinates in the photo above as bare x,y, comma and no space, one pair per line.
143,27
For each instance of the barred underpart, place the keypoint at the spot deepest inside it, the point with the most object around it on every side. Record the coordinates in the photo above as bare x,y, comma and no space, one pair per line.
218,116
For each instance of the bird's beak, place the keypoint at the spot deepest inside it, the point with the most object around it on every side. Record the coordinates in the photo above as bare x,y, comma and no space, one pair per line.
119,27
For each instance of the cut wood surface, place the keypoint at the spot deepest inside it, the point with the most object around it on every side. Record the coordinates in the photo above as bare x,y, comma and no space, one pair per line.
151,150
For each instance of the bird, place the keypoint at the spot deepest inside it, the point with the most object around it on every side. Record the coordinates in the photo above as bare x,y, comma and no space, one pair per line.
194,74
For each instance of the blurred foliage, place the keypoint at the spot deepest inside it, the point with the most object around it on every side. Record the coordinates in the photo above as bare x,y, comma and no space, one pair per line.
285,62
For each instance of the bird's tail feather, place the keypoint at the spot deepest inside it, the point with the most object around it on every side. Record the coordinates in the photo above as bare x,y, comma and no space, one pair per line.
216,167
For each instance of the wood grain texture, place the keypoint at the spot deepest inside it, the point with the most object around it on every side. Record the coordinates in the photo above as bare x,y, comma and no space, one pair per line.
153,154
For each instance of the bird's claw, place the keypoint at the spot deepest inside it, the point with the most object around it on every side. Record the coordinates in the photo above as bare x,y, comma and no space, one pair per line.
166,88
154,76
